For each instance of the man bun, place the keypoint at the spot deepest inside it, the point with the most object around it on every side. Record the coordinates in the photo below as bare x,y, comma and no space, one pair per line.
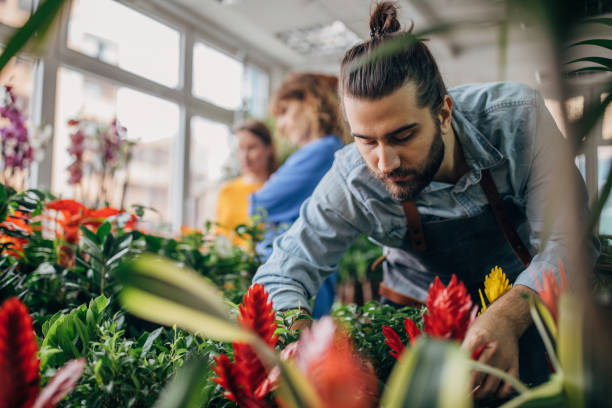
383,20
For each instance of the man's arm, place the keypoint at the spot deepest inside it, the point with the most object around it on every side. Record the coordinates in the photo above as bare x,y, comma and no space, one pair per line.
311,249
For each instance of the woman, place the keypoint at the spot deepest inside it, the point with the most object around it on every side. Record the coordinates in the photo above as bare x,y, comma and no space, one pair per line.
257,162
307,111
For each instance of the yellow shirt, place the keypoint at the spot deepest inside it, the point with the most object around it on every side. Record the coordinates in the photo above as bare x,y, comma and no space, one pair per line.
232,207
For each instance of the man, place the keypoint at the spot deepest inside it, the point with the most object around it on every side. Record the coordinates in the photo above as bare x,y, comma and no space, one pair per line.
451,182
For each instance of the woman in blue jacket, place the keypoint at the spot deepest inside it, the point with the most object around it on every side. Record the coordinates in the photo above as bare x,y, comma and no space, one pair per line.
307,111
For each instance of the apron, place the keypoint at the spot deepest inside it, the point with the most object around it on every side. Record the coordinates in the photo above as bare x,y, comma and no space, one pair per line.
469,248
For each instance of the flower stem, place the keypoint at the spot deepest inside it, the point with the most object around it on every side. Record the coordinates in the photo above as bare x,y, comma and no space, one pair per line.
544,335
517,384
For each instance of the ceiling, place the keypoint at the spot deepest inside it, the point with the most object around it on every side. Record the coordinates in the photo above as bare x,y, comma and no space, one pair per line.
467,54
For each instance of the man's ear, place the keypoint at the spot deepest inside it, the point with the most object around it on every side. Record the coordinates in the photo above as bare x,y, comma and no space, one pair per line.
446,114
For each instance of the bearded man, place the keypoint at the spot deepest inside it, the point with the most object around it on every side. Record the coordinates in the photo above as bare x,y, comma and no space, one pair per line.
450,182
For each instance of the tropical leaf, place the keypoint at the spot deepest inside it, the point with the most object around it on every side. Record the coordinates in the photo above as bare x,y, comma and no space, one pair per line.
571,315
37,25
432,373
159,290
600,20
606,62
599,42
188,388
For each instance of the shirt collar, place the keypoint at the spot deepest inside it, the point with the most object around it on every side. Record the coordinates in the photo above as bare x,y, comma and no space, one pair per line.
479,153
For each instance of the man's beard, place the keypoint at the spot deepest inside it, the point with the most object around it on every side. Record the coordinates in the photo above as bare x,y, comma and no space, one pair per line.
418,178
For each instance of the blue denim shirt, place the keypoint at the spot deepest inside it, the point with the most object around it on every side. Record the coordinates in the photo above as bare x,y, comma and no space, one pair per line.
503,127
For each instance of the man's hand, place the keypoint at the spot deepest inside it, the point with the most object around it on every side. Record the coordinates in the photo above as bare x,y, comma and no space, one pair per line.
499,329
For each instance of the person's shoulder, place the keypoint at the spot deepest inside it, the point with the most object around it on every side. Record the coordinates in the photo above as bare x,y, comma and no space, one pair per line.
479,98
232,185
348,159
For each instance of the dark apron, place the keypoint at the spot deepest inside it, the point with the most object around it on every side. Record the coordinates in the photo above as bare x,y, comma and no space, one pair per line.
469,248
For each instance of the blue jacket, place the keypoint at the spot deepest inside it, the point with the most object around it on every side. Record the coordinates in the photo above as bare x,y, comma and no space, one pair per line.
282,195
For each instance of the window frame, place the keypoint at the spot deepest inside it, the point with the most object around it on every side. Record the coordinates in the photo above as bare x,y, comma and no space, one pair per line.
190,30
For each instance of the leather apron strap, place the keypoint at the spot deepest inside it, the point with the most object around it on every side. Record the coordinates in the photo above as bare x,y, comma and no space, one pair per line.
504,222
417,235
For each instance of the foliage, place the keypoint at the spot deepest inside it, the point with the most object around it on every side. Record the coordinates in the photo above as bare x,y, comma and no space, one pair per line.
365,324
357,260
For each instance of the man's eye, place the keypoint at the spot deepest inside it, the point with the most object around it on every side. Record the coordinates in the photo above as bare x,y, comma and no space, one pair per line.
369,142
404,138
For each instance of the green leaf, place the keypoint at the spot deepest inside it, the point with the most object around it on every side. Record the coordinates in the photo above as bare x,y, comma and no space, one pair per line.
606,62
599,42
432,373
89,236
591,116
159,290
188,388
149,342
599,204
601,20
103,231
37,24
571,315
549,394
589,69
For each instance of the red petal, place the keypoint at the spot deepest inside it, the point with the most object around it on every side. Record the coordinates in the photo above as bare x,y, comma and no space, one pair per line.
393,340
479,351
19,377
412,330
70,206
61,384
257,313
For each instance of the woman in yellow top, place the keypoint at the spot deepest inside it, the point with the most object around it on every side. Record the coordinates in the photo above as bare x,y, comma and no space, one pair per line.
257,162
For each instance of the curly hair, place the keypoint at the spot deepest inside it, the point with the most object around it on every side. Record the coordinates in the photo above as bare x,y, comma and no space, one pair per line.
318,88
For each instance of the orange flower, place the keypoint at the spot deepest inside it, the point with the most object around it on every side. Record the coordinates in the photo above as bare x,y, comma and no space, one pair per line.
550,291
18,222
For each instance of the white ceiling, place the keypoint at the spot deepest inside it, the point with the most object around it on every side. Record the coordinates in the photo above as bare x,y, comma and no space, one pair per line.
470,54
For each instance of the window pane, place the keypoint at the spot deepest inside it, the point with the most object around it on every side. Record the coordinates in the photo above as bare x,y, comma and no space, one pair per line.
217,77
118,35
19,73
15,12
574,108
151,122
604,162
210,152
607,120
256,91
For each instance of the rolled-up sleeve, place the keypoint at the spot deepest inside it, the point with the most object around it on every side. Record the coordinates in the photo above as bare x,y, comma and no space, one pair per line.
311,249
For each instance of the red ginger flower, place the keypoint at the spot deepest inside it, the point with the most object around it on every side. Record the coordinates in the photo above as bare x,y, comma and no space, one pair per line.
18,362
16,222
19,365
450,310
550,291
393,340
244,378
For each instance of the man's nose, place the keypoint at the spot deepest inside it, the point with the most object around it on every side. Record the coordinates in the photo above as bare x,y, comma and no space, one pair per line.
388,159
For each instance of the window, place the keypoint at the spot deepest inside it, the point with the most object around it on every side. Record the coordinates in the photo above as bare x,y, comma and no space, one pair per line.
14,13
210,152
574,108
257,84
152,123
604,163
118,35
217,77
19,73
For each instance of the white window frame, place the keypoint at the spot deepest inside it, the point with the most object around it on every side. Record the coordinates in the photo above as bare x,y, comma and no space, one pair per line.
190,29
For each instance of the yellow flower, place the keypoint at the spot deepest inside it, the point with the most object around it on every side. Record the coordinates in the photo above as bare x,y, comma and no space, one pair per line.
496,284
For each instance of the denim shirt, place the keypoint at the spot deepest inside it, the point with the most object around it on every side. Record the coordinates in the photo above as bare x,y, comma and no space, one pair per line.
503,127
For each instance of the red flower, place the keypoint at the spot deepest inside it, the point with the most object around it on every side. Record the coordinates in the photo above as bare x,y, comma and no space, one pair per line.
248,374
73,215
19,365
339,376
16,222
392,339
450,310
550,291
18,362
